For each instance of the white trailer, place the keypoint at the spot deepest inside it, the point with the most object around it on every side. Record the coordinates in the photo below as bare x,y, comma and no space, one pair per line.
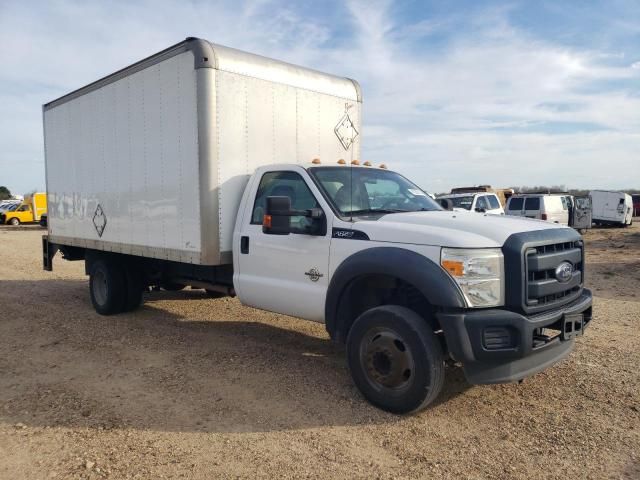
611,207
153,159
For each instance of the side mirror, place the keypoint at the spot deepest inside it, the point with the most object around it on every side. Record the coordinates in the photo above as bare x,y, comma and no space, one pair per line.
481,210
445,203
277,218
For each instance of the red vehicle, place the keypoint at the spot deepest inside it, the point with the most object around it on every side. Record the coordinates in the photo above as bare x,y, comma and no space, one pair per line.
636,204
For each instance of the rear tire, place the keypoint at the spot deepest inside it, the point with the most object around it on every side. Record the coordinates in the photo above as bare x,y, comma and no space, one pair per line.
395,359
107,287
135,288
14,221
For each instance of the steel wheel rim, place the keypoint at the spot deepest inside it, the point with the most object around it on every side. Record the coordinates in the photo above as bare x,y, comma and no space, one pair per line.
99,283
387,360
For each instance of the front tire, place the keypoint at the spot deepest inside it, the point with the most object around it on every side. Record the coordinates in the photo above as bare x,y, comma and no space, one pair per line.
107,287
14,221
395,359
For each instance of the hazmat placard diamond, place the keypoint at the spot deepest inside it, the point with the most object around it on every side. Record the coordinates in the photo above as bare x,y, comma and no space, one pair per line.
99,220
346,131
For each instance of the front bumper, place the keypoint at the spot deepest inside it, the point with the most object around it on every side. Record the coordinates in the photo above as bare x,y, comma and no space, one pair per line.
498,346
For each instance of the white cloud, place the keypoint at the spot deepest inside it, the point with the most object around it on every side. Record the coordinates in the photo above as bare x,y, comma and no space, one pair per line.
486,106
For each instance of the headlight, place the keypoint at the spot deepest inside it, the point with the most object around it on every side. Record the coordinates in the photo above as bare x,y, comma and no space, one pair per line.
478,272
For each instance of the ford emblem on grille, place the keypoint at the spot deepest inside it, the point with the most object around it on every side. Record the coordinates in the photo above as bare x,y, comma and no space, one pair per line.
564,272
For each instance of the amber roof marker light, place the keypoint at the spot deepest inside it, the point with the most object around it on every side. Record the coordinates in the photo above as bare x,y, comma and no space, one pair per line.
382,165
342,162
316,161
355,162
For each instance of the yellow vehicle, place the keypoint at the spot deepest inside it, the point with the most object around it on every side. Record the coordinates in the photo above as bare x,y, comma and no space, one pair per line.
29,211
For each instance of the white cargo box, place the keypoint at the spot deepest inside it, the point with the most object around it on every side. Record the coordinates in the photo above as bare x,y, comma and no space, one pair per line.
611,206
153,159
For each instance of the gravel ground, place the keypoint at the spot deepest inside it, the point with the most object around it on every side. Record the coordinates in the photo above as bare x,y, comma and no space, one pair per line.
192,387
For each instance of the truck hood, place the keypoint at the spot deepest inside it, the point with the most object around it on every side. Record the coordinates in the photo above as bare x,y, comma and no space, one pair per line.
449,229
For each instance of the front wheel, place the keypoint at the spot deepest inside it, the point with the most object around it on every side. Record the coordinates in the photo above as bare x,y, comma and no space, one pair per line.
395,359
14,221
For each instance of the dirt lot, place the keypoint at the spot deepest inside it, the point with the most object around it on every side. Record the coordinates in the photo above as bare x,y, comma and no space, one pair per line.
191,387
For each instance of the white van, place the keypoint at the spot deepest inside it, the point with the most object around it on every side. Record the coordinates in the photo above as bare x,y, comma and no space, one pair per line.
611,208
474,202
550,207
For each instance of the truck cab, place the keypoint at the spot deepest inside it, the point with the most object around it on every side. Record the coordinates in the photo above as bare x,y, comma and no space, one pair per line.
368,253
475,202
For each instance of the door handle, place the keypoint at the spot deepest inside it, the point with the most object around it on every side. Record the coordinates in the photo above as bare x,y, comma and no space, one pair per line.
244,244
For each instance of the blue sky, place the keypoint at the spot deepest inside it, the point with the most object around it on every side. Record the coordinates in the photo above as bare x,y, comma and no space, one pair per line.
455,92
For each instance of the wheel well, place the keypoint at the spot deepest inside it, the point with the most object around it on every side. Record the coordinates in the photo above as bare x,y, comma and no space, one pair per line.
373,290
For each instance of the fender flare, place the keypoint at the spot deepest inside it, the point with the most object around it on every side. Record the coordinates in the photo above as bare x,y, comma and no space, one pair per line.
424,274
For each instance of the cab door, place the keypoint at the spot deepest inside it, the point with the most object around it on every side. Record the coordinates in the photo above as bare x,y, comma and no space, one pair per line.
24,213
283,273
494,205
581,213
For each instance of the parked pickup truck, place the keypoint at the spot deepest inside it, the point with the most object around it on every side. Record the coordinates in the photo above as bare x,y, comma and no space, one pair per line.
214,168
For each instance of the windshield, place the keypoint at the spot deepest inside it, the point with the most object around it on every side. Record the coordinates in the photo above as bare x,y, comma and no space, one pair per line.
461,202
368,191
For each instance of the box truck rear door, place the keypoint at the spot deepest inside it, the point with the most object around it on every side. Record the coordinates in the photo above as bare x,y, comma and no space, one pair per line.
284,273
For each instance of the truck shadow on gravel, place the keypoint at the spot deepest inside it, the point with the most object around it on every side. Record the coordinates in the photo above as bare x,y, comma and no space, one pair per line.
206,365
614,280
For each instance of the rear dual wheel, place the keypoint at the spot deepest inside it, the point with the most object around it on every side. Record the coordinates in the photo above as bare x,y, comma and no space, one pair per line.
395,359
114,287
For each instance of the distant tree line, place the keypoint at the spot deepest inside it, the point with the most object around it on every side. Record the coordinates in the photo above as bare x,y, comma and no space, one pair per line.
5,194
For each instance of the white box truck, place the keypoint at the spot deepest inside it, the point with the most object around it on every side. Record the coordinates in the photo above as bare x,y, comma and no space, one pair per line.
611,208
218,169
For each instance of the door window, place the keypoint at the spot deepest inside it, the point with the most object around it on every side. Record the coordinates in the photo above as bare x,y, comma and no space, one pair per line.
515,203
564,203
532,203
24,208
285,184
493,202
582,202
482,203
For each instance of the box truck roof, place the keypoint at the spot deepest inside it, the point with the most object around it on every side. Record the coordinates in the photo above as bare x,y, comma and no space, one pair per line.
211,55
